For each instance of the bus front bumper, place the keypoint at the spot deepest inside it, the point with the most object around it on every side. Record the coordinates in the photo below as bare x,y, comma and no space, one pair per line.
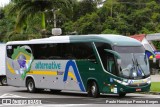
130,89
118,86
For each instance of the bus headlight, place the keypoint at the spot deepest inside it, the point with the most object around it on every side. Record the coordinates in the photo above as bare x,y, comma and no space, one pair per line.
149,80
130,81
121,82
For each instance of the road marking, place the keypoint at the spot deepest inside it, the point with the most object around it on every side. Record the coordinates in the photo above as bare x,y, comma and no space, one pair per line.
61,105
8,95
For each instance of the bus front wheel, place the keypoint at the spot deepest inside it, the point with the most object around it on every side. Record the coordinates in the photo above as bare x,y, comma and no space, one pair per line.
3,81
93,90
31,86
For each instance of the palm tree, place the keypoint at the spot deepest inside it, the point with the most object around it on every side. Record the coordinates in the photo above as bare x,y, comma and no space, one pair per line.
27,9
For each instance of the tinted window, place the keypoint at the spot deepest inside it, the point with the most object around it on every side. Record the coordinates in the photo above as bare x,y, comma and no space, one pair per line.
129,49
46,51
101,47
12,48
10,51
64,51
106,57
81,51
77,51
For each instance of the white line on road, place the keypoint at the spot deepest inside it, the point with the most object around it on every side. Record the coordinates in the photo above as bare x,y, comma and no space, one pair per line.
60,105
50,105
8,95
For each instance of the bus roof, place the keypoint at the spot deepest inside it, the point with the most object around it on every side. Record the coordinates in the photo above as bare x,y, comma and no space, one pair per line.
112,39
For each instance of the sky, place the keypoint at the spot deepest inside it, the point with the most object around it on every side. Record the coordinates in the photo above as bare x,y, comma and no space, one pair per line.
3,2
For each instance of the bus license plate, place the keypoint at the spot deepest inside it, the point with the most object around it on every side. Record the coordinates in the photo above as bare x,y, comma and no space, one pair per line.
138,89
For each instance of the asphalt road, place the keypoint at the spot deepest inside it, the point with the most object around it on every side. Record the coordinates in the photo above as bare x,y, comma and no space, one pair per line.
66,98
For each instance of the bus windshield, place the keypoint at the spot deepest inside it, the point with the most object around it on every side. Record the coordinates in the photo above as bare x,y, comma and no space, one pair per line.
134,64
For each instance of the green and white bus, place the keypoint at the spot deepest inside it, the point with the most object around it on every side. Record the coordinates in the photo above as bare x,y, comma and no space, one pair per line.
95,64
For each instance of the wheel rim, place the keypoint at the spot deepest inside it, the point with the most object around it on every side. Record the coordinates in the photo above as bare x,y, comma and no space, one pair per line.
93,89
4,81
30,86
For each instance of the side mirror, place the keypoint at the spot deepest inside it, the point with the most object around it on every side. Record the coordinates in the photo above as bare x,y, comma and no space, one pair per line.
149,53
116,54
119,61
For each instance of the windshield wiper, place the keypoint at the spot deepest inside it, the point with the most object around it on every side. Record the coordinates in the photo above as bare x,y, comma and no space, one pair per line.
138,65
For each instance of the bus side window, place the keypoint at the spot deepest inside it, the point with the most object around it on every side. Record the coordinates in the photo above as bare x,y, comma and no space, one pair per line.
111,65
107,59
53,52
77,51
40,51
46,51
10,51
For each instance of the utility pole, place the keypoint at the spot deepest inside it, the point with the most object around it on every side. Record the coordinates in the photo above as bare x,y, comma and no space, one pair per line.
54,18
55,22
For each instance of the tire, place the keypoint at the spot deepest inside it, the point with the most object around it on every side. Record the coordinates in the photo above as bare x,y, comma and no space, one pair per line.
55,91
93,90
3,81
31,86
122,94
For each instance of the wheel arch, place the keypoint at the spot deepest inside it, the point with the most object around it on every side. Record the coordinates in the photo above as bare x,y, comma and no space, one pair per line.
3,77
29,77
90,80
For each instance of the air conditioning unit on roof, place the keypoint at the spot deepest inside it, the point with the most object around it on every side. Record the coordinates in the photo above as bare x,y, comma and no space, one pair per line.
56,31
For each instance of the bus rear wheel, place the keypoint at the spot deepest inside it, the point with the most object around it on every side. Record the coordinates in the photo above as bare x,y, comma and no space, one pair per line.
31,86
93,90
3,81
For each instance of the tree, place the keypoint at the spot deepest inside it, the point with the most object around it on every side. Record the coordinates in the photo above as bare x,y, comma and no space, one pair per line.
6,23
82,8
27,9
88,24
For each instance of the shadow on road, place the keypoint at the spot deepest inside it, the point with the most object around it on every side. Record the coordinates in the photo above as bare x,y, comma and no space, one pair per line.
75,94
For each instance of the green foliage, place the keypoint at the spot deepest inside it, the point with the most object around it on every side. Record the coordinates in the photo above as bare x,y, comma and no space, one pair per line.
68,27
6,23
156,44
109,31
25,19
82,8
27,9
155,87
88,24
29,18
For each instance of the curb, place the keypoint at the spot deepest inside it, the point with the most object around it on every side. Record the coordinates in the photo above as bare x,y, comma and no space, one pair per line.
154,93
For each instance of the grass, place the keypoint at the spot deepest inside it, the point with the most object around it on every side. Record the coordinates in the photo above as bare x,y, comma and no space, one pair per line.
155,87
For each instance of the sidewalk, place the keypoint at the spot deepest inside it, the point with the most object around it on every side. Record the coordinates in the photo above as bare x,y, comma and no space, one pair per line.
155,78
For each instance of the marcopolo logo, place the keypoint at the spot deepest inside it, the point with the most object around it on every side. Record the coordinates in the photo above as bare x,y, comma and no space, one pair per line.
47,65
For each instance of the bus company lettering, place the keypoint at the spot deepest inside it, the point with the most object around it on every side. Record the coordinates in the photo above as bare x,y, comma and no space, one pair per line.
50,65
